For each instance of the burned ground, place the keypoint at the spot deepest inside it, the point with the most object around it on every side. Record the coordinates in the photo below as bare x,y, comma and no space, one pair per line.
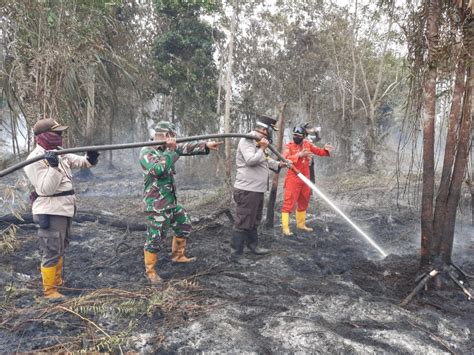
326,291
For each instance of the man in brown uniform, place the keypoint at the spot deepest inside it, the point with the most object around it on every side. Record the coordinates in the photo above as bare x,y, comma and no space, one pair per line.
54,199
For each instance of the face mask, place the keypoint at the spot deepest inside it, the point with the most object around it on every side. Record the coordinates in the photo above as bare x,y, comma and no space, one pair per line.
49,140
297,139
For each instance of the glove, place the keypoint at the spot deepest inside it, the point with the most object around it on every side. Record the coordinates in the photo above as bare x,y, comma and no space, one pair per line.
92,156
52,159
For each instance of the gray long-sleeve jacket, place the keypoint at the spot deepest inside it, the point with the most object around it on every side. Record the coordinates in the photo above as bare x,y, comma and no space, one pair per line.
253,167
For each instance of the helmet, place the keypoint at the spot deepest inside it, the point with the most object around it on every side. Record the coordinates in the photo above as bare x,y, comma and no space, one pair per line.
299,131
166,127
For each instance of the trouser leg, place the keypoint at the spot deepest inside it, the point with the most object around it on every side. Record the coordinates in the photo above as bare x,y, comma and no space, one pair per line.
291,192
157,227
53,239
181,225
303,202
249,207
303,198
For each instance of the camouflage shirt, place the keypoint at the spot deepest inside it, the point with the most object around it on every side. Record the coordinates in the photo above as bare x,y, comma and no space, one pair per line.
158,171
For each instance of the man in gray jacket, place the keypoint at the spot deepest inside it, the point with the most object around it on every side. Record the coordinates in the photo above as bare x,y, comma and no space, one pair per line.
251,182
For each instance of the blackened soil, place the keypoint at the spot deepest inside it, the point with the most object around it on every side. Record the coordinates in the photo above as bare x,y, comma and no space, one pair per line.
325,292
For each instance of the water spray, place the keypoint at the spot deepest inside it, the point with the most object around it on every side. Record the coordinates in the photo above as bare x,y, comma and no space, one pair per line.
335,208
196,138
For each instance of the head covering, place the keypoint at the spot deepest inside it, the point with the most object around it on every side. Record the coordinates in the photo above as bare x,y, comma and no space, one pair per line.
266,122
165,127
48,125
299,131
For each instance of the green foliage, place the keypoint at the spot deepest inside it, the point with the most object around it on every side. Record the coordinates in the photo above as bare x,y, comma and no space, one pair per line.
124,309
112,343
184,63
175,8
56,49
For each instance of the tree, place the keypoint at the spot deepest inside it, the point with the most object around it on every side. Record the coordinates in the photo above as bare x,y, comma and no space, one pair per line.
438,220
444,60
228,95
57,54
184,64
276,177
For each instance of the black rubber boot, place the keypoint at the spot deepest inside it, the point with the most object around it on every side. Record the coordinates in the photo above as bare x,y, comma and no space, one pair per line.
252,243
237,244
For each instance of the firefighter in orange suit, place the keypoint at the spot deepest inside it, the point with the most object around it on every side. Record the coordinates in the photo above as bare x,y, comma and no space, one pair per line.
299,152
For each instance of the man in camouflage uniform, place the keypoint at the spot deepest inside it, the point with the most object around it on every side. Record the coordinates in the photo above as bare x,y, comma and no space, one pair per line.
161,207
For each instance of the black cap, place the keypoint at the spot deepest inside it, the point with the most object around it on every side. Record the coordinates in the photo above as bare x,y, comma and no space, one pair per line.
267,122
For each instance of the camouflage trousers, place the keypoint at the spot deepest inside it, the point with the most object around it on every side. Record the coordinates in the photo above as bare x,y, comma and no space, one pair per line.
159,223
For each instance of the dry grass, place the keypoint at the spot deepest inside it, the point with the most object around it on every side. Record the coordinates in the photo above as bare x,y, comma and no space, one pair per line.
8,240
107,319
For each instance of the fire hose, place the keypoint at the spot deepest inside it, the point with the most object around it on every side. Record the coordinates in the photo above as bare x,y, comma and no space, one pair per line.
131,145
195,138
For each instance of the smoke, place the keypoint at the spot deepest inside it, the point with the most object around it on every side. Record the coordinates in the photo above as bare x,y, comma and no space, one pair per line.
463,246
7,132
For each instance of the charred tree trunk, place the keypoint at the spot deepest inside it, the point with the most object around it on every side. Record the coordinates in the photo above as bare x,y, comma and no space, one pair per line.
86,173
455,162
90,124
113,116
347,138
349,118
13,133
441,206
470,185
219,85
470,177
429,106
374,101
460,164
228,97
438,225
369,149
273,193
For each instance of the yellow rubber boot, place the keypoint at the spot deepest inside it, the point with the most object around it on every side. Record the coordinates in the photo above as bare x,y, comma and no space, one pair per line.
285,224
49,286
301,221
178,248
58,280
150,262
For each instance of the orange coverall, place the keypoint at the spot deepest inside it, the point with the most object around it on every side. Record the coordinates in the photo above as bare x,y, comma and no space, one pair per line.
296,191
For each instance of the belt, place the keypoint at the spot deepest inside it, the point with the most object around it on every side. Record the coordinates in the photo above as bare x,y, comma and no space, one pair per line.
62,193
